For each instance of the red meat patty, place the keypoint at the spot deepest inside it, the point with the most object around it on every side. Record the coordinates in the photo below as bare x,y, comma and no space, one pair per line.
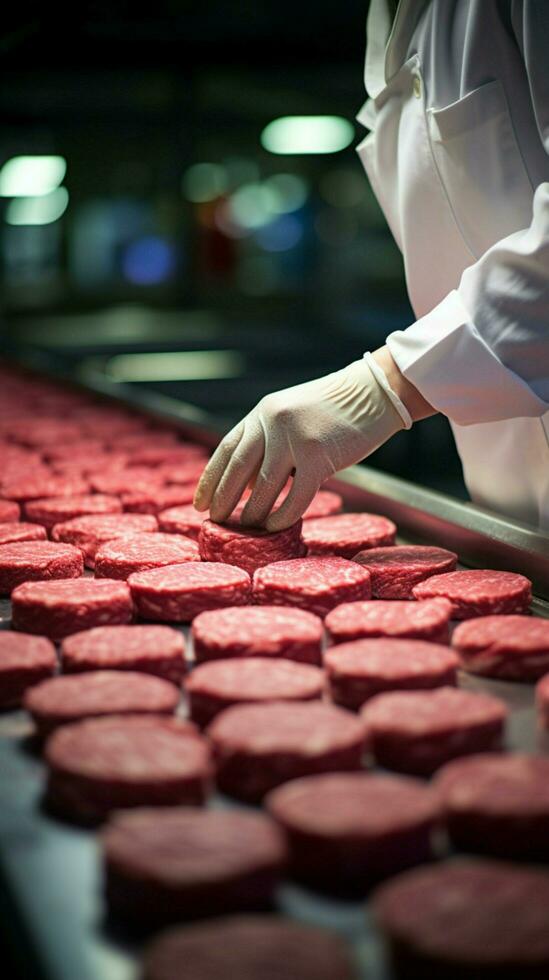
418,731
121,557
248,548
41,432
542,701
158,650
24,660
182,520
31,487
29,561
102,764
427,620
182,474
257,631
260,746
351,829
12,531
175,455
61,607
54,510
478,592
9,511
171,864
346,534
394,571
91,531
512,648
177,593
358,670
127,480
316,584
466,918
156,499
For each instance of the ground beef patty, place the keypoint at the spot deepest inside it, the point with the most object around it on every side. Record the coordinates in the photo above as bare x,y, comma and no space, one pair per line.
177,593
478,592
418,731
260,746
158,650
31,561
249,948
347,534
427,620
464,919
24,660
182,520
156,499
30,486
316,584
12,531
542,701
60,700
248,548
9,511
358,670
347,830
394,571
91,531
512,648
66,606
212,687
102,764
171,864
257,631
121,557
55,510
498,804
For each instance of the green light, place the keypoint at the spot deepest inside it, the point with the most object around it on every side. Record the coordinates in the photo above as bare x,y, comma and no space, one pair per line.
307,134
196,365
291,191
253,205
204,182
38,210
31,176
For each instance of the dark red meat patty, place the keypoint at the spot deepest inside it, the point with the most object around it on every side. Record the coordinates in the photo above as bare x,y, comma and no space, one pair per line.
498,804
427,620
30,561
249,948
212,687
182,520
91,531
13,531
466,919
158,650
394,571
260,746
54,510
350,829
478,592
418,731
316,584
248,548
257,631
177,593
346,534
542,701
171,864
24,660
358,670
121,557
9,511
156,499
61,607
60,700
30,487
102,764
511,648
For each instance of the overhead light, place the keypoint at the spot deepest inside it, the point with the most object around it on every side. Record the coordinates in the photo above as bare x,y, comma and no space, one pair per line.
196,365
41,210
31,176
307,134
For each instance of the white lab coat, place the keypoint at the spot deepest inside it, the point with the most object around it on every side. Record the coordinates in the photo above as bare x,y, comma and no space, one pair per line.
458,156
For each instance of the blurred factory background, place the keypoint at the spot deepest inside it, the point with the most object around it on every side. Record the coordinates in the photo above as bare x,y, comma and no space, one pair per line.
166,223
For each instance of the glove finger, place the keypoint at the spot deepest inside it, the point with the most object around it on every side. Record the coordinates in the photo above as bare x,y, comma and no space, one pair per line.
305,485
269,482
243,463
216,466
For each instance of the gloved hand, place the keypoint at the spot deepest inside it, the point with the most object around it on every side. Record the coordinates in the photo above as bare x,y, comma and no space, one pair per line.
314,429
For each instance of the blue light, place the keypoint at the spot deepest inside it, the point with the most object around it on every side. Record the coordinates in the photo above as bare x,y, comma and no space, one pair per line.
280,235
148,261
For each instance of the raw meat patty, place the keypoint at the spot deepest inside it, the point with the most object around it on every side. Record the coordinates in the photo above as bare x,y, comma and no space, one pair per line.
466,919
177,593
542,701
418,731
55,510
101,764
91,531
182,520
257,631
249,948
29,561
121,557
512,648
9,511
39,432
30,487
128,480
350,829
183,474
346,534
156,499
260,746
358,670
248,548
498,804
171,864
394,571
12,531
61,607
427,620
212,687
154,455
478,592
316,584
324,504
60,700
158,650
24,660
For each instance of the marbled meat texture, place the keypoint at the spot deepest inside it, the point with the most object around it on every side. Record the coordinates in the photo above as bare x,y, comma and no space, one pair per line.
315,584
511,648
158,650
177,593
258,631
428,620
24,660
30,561
121,557
478,592
58,608
347,534
394,571
90,532
249,548
54,510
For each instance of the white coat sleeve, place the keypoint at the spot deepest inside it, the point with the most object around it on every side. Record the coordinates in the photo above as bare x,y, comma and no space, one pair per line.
482,354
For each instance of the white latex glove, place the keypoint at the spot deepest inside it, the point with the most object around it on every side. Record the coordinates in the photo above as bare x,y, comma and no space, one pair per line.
314,429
